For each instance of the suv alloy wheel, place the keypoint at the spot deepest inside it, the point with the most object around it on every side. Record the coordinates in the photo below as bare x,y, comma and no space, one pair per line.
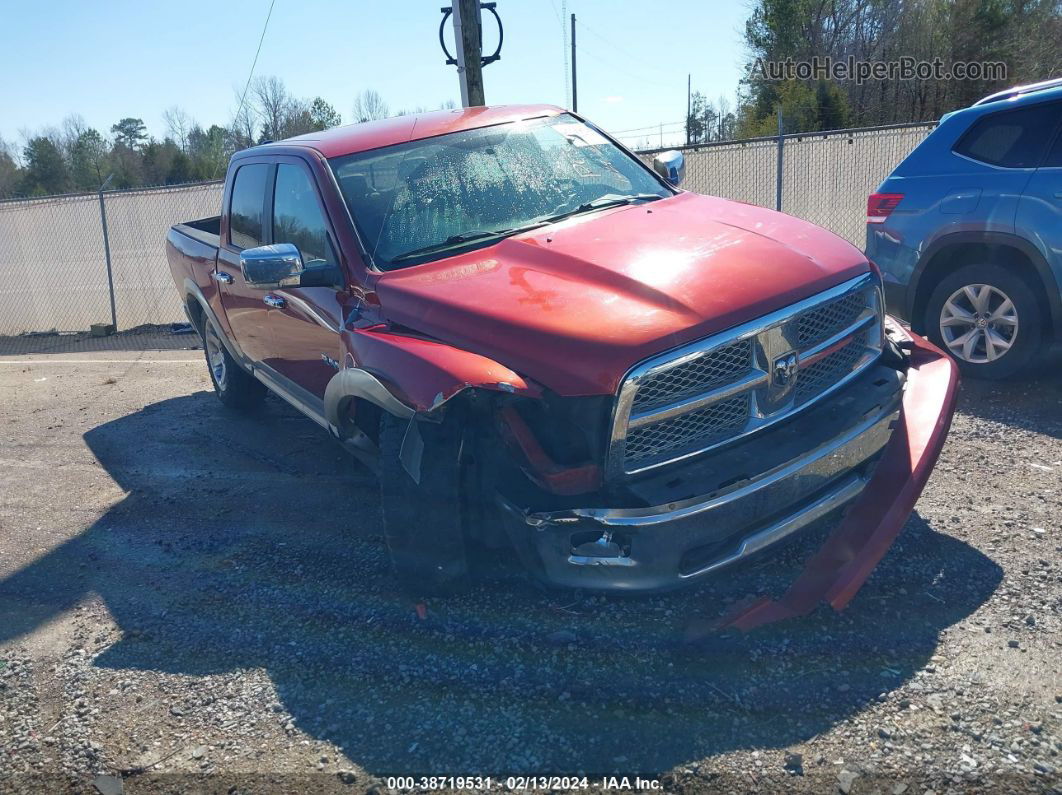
987,319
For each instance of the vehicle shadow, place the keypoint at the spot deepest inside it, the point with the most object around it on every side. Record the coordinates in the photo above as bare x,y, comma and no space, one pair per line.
250,543
169,337
1033,403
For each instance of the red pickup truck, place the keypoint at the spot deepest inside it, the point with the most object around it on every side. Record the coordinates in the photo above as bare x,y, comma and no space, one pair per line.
541,344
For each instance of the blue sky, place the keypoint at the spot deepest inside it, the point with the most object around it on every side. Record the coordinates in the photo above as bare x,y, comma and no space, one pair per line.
121,58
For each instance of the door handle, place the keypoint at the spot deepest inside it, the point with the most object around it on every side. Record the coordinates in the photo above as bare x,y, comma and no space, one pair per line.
275,300
222,277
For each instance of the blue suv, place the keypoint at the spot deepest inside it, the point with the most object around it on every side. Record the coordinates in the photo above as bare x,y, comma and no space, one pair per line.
967,231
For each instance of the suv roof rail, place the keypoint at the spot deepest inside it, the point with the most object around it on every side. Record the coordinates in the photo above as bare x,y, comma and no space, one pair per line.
1010,93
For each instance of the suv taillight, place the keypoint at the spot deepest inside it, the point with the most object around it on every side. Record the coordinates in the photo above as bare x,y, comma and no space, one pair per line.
879,205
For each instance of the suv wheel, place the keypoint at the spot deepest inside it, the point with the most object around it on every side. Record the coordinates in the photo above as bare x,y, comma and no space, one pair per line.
424,523
233,385
987,319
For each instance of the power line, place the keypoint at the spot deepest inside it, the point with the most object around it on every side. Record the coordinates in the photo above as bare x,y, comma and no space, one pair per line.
254,63
639,59
616,67
649,127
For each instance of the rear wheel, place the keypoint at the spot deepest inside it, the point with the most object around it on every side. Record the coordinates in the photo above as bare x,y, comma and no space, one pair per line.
987,318
233,385
424,523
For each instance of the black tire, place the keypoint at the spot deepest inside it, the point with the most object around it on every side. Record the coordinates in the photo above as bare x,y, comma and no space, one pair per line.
424,524
234,386
1024,336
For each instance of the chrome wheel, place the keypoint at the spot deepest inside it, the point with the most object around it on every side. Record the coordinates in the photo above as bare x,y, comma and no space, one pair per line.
215,352
979,323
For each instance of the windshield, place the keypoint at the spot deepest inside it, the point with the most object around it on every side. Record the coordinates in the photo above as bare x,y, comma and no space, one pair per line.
426,199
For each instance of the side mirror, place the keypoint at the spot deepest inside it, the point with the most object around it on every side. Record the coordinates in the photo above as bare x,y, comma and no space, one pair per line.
278,265
671,165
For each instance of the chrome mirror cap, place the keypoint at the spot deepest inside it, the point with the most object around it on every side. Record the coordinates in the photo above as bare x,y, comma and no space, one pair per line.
277,265
671,165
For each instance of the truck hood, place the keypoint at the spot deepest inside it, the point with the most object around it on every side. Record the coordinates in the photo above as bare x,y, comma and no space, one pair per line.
576,304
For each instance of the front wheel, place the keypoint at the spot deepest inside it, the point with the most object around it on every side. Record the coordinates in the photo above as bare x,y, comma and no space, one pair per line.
424,522
987,318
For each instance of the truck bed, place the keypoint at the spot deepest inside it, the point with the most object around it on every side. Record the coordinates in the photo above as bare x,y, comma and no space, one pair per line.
192,252
205,230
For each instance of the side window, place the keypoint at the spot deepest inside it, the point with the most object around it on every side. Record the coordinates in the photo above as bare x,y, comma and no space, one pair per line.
1013,138
246,217
297,216
1054,157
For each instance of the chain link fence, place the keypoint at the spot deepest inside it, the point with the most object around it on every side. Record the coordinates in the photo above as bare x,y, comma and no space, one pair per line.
825,177
54,261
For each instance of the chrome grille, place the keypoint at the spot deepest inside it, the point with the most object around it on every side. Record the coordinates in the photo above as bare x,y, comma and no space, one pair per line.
717,421
732,384
817,377
822,322
695,376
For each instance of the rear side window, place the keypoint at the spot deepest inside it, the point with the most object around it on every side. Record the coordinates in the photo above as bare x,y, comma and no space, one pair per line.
1013,138
246,217
1054,157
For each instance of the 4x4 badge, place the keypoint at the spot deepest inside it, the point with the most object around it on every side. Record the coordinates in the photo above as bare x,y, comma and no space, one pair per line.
784,370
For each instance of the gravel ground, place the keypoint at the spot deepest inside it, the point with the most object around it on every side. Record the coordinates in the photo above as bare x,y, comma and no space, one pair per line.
195,600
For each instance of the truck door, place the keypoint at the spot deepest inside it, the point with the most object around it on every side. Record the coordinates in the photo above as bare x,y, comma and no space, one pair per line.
305,321
1040,209
244,304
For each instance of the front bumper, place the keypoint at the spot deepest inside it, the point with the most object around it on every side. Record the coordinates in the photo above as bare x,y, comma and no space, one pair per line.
844,562
681,541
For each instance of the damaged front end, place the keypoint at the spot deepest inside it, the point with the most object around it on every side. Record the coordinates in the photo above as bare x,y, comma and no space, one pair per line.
868,448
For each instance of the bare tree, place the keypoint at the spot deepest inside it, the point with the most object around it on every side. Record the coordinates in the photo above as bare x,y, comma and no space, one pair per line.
369,105
9,169
178,124
298,120
71,130
274,105
244,123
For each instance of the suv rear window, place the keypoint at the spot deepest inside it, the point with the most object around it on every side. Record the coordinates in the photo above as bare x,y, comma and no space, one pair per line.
1013,138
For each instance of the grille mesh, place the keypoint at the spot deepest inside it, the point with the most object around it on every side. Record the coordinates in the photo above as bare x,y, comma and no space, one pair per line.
723,365
702,426
719,422
817,378
822,322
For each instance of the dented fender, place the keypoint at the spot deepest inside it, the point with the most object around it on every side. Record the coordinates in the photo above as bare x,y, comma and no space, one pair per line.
421,374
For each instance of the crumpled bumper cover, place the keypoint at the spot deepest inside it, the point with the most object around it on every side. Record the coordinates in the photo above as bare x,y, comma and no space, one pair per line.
844,562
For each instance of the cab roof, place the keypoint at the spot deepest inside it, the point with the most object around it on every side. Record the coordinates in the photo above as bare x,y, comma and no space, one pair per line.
351,138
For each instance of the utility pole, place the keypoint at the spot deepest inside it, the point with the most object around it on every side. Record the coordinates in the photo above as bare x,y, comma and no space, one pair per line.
468,39
575,87
689,106
780,163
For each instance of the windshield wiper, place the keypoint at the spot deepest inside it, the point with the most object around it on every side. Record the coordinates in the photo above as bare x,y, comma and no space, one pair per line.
602,203
470,237
465,237
451,241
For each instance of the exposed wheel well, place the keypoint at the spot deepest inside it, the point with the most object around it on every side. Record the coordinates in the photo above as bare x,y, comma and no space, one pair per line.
195,313
950,258
357,414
